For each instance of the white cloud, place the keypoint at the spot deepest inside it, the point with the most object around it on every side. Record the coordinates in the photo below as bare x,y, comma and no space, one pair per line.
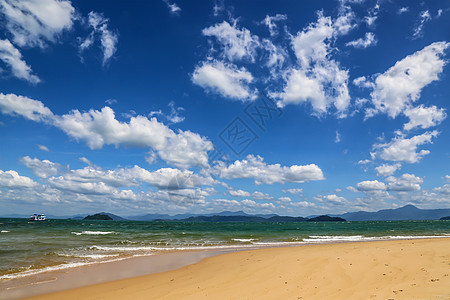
303,204
239,193
403,10
100,127
368,40
364,162
310,44
284,200
13,58
237,44
401,149
445,189
301,88
276,55
108,39
294,191
85,160
319,79
218,7
43,148
173,7
373,185
269,21
331,199
424,117
337,139
406,182
261,196
174,116
401,85
12,179
447,178
263,173
252,204
387,170
424,17
224,79
42,168
97,128
11,104
34,23
86,188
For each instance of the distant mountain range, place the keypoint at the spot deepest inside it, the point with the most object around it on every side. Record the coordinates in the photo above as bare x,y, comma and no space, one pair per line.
408,212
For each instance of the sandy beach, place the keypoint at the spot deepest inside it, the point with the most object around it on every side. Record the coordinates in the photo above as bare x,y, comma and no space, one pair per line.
402,269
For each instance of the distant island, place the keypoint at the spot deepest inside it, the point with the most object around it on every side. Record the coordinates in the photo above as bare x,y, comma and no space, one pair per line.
102,217
326,218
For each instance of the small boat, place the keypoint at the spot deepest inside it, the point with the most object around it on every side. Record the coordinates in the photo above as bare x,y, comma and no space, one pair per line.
38,217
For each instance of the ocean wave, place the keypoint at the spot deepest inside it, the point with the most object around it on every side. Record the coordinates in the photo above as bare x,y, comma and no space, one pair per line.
243,240
88,232
5,231
30,272
93,256
154,249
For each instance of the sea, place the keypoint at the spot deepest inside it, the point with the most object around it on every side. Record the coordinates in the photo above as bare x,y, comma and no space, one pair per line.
28,248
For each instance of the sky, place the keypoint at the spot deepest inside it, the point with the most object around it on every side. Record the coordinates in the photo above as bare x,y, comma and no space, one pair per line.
174,106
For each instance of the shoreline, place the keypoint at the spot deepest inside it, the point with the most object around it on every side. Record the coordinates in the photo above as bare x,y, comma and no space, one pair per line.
136,268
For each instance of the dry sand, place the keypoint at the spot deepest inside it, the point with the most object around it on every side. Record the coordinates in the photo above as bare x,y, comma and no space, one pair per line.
408,269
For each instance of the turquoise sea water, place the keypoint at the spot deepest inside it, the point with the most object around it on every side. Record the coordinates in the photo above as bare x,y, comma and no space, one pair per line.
33,247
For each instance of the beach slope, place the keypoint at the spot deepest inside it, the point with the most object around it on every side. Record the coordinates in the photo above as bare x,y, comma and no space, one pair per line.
406,269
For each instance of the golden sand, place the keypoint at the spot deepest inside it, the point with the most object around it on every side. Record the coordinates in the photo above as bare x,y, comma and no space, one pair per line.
407,269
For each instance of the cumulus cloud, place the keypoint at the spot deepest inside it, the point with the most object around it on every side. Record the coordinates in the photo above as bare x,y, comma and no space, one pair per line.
445,189
34,23
254,167
387,170
319,79
294,191
100,127
401,85
401,149
12,179
30,109
261,196
239,193
404,183
224,79
253,204
100,30
237,44
97,128
13,58
370,185
331,199
424,117
368,40
41,168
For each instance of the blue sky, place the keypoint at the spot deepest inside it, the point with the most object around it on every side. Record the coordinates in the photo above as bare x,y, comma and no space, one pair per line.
287,107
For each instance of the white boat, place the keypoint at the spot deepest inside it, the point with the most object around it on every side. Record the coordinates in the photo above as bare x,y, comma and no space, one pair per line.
38,217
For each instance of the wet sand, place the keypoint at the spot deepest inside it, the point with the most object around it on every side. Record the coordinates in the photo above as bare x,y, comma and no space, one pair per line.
407,269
